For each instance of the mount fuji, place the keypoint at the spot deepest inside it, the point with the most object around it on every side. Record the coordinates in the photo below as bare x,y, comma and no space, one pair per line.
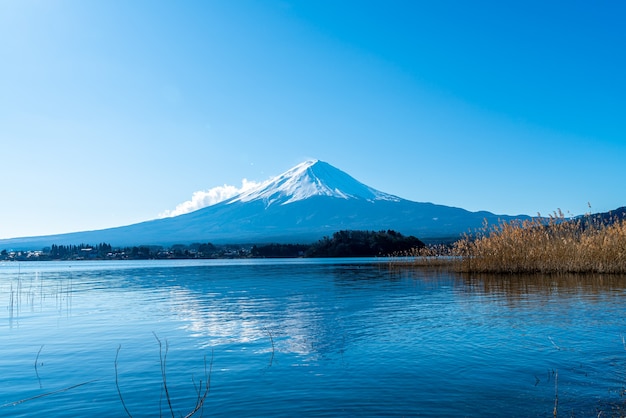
309,201
309,179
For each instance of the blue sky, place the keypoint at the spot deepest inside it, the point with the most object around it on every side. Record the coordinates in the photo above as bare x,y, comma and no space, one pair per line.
114,112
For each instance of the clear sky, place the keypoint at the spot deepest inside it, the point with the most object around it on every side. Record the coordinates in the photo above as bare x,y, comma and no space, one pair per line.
114,112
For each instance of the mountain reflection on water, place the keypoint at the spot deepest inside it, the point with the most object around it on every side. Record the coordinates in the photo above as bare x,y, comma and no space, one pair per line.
310,337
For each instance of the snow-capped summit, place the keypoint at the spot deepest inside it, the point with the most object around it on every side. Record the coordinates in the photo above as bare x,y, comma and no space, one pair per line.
308,179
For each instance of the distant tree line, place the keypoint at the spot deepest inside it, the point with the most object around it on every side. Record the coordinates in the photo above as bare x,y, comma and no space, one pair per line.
341,244
345,244
61,252
363,244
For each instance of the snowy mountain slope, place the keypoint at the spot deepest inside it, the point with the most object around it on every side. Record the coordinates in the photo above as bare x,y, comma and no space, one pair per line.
312,200
308,179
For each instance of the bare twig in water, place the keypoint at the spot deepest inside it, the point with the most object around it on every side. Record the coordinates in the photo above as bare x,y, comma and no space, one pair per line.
202,392
554,344
273,346
163,359
556,394
36,363
37,358
207,387
47,394
117,385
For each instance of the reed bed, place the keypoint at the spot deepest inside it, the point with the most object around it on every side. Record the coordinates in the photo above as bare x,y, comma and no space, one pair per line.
540,245
435,256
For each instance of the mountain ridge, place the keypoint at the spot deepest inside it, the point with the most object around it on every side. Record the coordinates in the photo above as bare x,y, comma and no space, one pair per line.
311,200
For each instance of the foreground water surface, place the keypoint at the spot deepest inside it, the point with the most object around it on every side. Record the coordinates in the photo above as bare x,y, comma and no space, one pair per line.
306,338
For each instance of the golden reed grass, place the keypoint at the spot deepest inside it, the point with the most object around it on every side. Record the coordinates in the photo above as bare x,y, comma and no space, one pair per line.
438,256
539,245
555,245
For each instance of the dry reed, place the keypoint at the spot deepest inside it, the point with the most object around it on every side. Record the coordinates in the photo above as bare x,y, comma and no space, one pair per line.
539,245
201,393
433,256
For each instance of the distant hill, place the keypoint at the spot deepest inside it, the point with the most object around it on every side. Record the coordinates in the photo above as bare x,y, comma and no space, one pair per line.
605,217
304,204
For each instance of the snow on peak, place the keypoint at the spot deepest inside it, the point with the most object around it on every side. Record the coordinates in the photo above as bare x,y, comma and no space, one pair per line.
308,179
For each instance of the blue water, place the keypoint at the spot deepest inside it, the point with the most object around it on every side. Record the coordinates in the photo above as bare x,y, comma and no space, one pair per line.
306,338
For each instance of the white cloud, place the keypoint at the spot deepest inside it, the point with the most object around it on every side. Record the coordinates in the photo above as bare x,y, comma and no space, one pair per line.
204,198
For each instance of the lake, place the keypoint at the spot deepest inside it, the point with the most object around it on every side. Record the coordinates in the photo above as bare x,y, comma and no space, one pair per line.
305,337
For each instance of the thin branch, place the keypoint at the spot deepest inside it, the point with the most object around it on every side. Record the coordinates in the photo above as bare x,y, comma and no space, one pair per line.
273,346
163,359
556,394
47,394
554,344
117,384
37,361
202,396
37,358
